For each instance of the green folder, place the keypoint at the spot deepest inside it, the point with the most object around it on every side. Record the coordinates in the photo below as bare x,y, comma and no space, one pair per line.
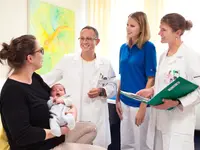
177,89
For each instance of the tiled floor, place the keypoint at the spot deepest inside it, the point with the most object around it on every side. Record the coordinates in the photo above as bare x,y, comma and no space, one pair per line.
197,140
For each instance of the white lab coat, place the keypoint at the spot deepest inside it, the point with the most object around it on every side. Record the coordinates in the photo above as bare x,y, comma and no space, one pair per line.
176,127
70,70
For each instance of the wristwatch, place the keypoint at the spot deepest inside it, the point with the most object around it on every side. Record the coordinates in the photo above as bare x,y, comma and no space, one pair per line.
102,92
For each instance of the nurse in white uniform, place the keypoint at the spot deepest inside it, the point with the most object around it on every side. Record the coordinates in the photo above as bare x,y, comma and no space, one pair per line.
174,129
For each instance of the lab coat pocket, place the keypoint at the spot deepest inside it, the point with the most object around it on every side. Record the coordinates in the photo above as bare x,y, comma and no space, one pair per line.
188,142
97,109
183,121
180,141
102,82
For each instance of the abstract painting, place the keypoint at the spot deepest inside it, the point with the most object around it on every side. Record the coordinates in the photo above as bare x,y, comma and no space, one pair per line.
54,28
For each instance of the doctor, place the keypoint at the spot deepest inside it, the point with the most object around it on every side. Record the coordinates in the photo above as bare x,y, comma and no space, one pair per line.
90,80
174,129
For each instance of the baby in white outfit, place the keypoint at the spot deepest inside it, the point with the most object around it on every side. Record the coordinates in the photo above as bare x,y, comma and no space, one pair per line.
59,104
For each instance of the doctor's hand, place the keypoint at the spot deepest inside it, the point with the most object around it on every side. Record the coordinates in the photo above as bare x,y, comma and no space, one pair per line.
94,92
167,103
147,93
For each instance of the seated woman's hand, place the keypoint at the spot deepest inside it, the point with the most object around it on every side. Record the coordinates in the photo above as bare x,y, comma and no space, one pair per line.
58,100
64,130
72,111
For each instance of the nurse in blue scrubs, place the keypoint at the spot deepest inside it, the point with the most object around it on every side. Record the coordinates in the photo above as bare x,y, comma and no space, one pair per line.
137,68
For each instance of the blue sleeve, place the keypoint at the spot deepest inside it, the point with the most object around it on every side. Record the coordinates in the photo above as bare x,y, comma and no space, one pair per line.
150,59
120,52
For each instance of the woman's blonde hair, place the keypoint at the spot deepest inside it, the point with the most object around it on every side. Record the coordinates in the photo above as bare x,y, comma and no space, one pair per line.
144,35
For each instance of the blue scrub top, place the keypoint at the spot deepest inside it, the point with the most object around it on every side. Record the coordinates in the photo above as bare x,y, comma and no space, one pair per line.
135,66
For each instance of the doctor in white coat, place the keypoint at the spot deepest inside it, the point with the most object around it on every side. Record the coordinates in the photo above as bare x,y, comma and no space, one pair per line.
174,129
90,80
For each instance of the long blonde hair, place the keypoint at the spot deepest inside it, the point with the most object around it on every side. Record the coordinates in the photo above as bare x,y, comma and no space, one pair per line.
141,19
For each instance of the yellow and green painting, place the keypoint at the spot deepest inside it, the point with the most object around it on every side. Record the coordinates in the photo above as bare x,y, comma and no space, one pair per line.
53,27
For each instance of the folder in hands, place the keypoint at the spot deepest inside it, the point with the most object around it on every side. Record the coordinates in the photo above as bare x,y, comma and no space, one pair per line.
175,90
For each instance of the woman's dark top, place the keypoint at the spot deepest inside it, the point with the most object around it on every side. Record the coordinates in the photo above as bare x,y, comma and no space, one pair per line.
25,114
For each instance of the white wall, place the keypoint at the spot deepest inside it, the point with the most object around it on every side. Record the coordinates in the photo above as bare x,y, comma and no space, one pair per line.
13,18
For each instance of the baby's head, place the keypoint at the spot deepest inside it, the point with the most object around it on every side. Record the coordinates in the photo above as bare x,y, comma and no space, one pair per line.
57,90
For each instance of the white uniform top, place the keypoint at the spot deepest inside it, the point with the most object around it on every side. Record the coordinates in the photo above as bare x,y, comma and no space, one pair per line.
88,70
184,63
78,78
167,73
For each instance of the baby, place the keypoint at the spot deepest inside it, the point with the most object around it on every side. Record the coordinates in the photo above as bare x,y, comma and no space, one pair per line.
59,104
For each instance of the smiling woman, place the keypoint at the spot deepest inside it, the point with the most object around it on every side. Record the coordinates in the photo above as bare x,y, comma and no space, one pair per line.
179,59
137,69
25,114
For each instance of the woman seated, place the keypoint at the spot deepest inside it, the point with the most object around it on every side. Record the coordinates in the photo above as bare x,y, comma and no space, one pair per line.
23,102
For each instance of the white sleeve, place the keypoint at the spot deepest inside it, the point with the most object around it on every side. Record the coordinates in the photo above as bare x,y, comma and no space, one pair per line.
193,73
52,77
50,103
111,87
67,101
57,73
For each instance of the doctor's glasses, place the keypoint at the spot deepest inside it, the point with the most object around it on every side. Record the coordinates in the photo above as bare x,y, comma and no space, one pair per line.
87,39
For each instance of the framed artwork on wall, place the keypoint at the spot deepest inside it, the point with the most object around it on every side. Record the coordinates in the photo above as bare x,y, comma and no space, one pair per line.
54,28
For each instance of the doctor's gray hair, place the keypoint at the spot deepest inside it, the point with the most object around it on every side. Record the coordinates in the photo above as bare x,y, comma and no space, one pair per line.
92,28
177,22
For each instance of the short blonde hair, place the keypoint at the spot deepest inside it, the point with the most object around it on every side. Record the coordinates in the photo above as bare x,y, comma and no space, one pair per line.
144,36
